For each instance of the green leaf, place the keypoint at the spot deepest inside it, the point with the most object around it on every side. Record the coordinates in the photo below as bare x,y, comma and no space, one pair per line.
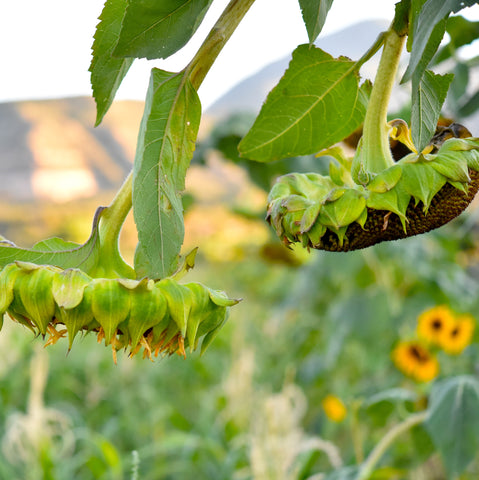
107,72
428,27
453,421
165,147
56,251
461,32
36,296
343,211
393,395
148,307
344,473
179,299
77,317
68,287
387,201
428,95
314,15
471,105
385,180
296,117
159,29
422,182
110,304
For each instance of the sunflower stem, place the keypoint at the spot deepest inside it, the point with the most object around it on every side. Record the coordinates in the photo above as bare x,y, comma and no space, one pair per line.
379,450
375,155
113,217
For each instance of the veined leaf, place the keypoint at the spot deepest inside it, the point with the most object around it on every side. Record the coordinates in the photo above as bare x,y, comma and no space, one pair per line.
453,423
428,27
314,15
107,72
428,95
56,251
296,117
159,29
165,146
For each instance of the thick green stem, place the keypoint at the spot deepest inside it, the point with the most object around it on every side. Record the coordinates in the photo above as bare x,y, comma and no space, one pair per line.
378,451
216,40
111,221
114,215
375,152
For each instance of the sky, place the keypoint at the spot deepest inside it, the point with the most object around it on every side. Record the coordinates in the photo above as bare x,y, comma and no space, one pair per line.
46,46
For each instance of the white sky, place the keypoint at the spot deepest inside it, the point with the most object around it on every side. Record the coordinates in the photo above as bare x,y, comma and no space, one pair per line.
45,46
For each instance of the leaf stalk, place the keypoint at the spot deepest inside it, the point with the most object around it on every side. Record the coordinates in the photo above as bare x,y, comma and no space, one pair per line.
216,40
113,217
379,450
111,222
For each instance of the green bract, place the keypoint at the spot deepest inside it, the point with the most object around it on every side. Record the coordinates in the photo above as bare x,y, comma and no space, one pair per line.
417,194
163,317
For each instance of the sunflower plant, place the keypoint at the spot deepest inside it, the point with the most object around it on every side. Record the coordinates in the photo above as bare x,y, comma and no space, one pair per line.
59,288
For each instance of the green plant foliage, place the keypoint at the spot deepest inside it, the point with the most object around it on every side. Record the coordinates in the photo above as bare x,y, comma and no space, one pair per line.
354,329
345,473
158,29
107,71
427,99
453,422
428,27
165,147
294,121
314,15
56,251
461,32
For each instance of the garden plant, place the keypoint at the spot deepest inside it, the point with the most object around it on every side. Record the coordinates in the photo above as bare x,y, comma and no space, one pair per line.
346,303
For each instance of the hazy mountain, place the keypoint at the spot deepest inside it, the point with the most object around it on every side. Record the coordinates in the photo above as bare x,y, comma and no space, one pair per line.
50,150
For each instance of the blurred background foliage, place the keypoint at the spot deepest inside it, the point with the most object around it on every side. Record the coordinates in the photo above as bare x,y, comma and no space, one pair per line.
311,325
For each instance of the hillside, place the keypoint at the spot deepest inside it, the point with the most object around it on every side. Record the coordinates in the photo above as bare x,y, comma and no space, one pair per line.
49,149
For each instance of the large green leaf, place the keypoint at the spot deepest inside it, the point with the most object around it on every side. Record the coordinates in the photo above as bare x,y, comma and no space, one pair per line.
428,27
453,421
296,118
165,147
107,72
428,95
314,15
159,29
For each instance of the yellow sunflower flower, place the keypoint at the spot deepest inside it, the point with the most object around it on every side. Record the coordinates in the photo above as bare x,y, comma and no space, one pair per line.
415,361
459,335
434,323
334,408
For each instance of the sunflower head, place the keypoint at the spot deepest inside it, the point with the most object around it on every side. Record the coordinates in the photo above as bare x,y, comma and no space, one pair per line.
350,210
414,360
434,323
459,335
160,317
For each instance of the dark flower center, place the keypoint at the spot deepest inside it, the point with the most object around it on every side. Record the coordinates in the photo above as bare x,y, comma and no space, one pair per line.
454,332
419,354
436,324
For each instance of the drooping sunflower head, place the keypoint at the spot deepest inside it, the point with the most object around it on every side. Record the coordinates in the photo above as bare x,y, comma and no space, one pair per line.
414,360
162,317
344,211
